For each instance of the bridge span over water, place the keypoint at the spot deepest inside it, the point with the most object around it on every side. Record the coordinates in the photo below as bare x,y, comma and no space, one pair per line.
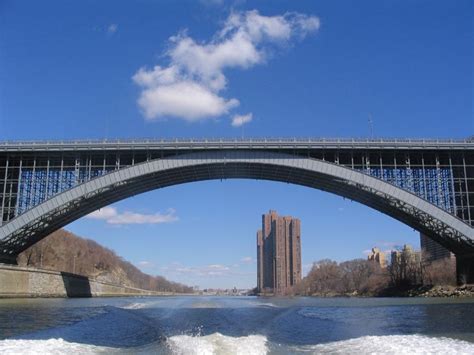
426,184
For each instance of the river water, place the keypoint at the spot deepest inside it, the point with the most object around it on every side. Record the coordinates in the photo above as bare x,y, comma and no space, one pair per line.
236,325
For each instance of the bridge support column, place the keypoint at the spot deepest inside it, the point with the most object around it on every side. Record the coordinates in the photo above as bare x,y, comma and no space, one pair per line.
465,269
8,259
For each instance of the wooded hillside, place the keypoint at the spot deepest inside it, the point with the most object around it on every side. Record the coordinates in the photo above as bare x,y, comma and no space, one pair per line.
64,251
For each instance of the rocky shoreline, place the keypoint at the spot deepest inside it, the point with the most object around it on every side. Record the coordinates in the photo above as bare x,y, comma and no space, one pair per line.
465,291
443,291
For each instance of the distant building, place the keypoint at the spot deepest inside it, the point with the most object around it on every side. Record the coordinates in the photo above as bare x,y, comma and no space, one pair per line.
377,256
410,254
406,256
432,251
260,275
278,253
405,265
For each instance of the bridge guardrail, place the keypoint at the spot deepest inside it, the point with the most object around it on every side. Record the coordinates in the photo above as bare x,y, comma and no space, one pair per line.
234,140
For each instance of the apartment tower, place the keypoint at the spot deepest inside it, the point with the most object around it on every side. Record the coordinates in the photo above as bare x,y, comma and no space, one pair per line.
278,253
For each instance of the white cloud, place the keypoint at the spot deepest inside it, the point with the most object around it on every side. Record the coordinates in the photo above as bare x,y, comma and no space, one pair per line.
186,99
211,270
190,86
390,244
103,213
239,120
145,264
112,216
112,28
207,270
247,260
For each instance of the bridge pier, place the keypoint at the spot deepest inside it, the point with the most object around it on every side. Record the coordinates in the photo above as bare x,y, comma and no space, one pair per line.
465,269
8,259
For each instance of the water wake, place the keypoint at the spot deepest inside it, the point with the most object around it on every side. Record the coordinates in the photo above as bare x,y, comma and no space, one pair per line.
50,346
135,306
393,344
115,328
218,344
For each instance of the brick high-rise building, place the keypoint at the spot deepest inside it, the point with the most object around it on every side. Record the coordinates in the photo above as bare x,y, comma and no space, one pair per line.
259,260
278,253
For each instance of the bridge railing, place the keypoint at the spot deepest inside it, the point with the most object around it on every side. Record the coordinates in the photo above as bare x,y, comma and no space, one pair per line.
83,142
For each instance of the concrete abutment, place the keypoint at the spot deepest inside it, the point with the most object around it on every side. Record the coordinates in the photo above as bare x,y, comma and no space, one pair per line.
17,282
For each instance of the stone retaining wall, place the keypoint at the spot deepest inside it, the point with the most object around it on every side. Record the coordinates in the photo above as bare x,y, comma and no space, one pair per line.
18,281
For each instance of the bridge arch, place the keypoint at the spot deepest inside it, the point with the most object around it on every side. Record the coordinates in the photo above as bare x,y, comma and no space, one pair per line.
63,208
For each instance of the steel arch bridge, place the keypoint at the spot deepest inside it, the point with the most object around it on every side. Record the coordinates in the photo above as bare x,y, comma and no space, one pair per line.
426,184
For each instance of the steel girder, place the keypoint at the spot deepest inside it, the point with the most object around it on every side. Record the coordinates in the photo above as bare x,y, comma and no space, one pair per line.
33,225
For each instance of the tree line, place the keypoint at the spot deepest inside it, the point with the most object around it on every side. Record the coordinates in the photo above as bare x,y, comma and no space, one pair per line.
364,277
64,251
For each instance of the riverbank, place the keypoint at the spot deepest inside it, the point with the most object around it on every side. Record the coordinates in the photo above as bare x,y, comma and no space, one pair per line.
465,291
23,282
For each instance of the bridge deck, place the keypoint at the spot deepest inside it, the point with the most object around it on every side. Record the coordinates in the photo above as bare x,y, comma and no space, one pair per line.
251,143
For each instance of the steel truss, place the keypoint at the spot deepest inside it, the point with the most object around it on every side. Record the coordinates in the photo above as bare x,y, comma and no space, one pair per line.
91,194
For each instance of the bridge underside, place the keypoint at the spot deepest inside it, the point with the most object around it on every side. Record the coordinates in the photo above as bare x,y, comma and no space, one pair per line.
60,210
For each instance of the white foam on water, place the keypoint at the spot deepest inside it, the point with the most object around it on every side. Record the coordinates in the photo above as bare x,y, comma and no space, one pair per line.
217,344
393,344
50,346
135,306
206,304
266,304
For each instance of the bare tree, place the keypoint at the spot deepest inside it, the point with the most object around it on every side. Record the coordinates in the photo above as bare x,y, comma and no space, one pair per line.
439,272
63,251
406,270
357,276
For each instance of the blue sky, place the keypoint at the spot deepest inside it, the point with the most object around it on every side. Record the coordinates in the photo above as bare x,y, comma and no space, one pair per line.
113,69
